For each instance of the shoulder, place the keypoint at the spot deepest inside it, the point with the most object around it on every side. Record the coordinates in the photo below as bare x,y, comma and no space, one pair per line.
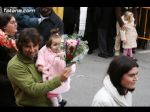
15,65
54,17
43,49
15,62
102,98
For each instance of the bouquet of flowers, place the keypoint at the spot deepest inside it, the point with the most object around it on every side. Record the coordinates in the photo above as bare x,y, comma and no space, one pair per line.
74,48
6,41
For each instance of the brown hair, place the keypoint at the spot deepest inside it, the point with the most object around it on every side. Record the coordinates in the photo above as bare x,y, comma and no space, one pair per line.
28,35
117,68
54,34
4,20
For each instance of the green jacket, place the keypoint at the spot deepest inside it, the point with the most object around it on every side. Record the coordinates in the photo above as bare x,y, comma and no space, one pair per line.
27,82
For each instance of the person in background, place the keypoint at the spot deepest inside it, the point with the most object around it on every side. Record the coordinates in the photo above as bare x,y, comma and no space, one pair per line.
49,21
119,11
8,25
118,84
29,89
27,19
105,21
59,11
129,35
42,18
71,20
90,31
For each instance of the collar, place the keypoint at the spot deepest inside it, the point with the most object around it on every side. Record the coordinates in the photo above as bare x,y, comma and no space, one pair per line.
122,100
24,59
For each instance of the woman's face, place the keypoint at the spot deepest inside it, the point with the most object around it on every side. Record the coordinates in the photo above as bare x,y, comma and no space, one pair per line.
129,79
11,27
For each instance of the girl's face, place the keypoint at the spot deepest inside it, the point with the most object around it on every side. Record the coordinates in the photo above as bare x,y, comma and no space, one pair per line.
55,46
11,27
129,79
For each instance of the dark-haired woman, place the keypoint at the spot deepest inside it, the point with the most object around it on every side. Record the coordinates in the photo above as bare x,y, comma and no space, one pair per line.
8,25
118,84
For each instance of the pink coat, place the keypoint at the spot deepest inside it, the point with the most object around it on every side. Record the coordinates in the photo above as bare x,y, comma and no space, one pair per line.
52,66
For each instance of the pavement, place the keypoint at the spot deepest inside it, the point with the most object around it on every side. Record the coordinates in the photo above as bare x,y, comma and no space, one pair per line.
90,73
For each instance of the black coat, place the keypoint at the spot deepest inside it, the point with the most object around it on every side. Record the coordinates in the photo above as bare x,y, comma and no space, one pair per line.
105,17
53,21
71,19
6,92
90,30
90,24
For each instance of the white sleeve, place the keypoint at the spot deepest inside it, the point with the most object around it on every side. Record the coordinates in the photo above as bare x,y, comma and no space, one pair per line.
82,22
122,35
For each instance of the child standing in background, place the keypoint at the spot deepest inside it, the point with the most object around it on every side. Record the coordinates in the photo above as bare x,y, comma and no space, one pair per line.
129,34
51,62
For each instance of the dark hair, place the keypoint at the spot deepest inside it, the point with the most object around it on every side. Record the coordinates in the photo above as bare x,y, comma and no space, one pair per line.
4,20
28,35
54,34
117,68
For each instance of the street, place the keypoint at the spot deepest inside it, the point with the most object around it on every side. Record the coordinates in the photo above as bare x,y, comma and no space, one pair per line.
90,73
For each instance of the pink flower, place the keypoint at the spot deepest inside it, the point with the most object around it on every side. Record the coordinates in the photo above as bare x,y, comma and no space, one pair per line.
6,41
71,42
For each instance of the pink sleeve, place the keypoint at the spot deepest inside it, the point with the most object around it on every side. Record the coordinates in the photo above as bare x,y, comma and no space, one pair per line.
40,59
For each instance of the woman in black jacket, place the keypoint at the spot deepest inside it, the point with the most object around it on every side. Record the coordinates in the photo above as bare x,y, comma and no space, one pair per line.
8,25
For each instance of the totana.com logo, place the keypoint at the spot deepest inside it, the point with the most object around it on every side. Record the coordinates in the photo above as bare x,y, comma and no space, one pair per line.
18,10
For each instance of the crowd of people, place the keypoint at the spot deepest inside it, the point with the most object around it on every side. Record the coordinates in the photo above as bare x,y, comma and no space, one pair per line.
35,73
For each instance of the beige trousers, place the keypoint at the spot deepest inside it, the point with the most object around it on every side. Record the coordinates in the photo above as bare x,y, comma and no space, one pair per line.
117,41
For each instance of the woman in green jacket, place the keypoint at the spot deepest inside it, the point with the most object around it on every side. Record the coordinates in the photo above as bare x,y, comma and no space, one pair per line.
25,79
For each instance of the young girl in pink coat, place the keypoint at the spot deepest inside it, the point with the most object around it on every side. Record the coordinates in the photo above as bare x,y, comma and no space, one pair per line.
51,62
129,35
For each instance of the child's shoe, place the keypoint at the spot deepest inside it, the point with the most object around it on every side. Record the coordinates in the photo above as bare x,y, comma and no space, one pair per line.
135,59
63,103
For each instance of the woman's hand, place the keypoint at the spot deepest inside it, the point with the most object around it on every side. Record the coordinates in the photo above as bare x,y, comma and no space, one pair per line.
65,74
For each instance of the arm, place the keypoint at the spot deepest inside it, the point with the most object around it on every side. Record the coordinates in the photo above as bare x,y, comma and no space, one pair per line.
123,35
61,27
41,65
118,16
28,79
23,79
4,58
27,19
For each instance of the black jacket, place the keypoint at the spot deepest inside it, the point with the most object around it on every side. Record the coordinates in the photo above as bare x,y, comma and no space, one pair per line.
71,19
53,21
105,17
7,94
